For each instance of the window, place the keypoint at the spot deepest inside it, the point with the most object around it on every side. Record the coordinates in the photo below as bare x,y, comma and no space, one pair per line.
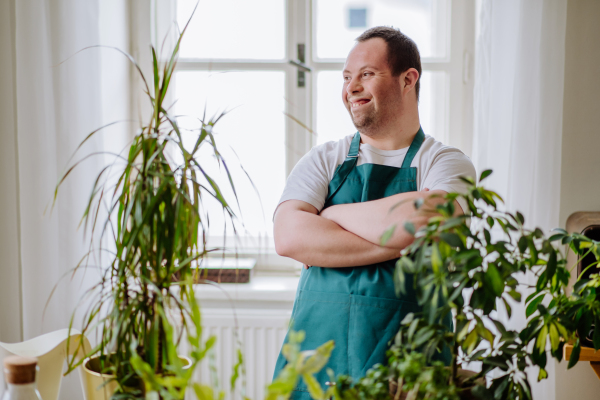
276,65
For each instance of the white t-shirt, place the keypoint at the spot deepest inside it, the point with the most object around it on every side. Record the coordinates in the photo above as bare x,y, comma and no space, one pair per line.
438,168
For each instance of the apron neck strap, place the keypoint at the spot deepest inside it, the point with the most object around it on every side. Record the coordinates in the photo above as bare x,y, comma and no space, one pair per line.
413,149
354,146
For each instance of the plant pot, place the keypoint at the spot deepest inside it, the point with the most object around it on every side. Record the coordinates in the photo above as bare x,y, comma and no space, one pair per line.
98,386
465,392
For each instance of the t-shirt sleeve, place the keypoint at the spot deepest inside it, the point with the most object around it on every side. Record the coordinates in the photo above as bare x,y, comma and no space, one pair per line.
309,180
448,166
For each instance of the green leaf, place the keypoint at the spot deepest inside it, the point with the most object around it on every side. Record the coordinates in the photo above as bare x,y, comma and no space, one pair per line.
574,355
452,239
515,295
540,342
487,236
485,333
470,342
463,332
400,278
313,386
409,227
495,279
522,244
419,203
543,374
318,359
531,307
422,336
387,235
508,307
484,175
551,265
554,337
203,392
412,328
236,369
408,319
436,258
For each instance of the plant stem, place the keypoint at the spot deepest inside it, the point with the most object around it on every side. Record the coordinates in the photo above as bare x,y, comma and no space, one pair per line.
454,365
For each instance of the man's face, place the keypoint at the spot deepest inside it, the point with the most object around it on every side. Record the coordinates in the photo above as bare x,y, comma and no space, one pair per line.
370,93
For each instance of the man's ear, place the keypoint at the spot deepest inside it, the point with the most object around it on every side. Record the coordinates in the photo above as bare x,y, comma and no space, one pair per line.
409,79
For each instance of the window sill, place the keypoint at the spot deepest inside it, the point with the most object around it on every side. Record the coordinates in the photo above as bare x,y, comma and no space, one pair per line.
263,291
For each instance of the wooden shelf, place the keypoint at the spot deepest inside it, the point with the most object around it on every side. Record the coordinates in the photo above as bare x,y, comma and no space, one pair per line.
586,354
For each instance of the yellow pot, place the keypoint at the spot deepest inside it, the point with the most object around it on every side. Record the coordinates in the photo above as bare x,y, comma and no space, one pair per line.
95,383
99,386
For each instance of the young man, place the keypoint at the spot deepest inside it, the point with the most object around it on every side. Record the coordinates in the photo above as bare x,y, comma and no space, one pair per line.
338,201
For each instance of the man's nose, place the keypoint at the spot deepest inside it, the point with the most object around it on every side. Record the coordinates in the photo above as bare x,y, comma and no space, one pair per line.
353,86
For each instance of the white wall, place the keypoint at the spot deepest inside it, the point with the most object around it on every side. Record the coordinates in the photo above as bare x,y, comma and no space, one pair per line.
580,179
580,171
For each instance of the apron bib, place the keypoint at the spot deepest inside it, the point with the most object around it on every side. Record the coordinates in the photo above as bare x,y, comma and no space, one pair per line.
356,306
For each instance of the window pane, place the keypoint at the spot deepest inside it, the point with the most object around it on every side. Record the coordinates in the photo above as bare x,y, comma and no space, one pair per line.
333,121
252,134
433,104
228,29
339,22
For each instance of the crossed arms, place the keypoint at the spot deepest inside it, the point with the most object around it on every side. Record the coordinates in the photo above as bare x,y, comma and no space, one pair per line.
348,234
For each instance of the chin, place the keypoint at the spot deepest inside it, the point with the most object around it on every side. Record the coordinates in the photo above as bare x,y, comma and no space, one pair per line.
366,125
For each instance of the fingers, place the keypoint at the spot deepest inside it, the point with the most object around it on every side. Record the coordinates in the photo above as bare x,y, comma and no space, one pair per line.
306,266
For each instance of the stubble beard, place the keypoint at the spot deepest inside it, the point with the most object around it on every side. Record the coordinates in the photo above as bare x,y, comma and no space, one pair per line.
366,124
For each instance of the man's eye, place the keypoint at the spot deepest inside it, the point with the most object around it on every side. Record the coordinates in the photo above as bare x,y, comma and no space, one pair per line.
367,73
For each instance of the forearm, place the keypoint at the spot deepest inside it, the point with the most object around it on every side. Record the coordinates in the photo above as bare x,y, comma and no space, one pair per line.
369,220
314,240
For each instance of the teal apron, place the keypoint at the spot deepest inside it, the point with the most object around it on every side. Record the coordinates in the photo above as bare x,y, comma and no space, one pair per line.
356,306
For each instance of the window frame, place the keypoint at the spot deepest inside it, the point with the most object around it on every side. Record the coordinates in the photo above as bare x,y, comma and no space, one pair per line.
150,22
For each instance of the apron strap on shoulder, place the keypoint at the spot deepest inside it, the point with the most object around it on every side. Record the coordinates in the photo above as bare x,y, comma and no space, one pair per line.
413,149
344,169
354,146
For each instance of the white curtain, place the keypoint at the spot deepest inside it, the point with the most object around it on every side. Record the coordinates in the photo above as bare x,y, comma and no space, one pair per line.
60,98
519,102
520,56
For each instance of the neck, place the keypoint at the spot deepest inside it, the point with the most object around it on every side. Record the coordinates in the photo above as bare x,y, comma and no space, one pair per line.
397,135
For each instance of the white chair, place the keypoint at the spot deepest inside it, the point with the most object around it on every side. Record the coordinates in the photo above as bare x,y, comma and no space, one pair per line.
50,350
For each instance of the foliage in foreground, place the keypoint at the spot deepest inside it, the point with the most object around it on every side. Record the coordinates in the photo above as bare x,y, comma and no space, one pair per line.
449,258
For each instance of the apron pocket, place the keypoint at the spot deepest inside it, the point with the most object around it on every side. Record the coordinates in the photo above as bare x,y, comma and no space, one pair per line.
323,316
374,322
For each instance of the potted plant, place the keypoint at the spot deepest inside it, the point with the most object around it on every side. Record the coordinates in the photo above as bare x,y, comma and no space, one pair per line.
448,257
148,204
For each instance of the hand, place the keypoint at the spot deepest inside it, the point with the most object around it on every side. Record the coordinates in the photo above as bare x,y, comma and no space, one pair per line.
307,266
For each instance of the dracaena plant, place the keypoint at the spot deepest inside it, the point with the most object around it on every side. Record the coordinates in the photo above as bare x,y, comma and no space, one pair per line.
467,271
149,203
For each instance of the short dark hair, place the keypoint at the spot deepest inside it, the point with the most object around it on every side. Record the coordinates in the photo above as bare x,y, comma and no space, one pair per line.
402,50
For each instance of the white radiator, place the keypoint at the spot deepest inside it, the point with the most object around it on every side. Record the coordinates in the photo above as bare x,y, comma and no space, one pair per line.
260,332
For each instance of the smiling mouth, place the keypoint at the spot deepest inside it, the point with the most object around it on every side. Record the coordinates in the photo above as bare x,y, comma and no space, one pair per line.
359,103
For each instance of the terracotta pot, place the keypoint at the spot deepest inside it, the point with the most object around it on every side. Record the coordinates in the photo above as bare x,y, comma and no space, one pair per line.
99,386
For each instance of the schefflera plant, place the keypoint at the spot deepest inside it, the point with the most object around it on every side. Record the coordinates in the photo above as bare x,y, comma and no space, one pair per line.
450,257
150,204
